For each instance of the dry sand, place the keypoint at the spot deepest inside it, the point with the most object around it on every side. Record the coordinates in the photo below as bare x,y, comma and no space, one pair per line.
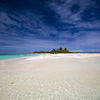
51,77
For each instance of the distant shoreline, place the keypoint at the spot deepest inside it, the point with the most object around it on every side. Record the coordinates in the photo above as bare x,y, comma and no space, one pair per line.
39,55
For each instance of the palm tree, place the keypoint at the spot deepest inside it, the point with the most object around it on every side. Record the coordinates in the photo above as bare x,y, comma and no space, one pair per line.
60,49
53,51
66,50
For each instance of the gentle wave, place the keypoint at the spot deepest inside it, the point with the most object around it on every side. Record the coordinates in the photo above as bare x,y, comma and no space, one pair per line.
4,57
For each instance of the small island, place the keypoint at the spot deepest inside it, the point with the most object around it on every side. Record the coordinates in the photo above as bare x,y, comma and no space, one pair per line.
54,51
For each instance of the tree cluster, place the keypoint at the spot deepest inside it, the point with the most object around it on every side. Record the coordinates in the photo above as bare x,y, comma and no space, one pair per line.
59,50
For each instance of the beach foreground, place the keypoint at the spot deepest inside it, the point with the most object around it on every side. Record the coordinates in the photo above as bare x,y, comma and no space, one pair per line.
51,77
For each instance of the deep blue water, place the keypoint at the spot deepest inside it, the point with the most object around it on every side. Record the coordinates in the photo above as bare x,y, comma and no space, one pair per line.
4,57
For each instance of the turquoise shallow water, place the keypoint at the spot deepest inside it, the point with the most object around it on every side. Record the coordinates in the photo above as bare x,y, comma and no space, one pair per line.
4,57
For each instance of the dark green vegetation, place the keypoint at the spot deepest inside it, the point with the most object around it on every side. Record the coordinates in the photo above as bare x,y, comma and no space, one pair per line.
59,50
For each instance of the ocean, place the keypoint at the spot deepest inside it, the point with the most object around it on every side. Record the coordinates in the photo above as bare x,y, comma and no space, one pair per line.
11,56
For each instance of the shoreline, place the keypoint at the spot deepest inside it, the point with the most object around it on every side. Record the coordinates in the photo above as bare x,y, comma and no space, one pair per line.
54,55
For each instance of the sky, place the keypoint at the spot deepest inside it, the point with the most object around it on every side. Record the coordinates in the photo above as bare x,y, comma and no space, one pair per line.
31,25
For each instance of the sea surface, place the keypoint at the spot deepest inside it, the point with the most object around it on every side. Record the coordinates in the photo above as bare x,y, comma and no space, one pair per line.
8,56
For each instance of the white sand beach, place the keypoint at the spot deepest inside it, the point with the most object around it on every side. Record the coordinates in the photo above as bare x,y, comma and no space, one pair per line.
51,77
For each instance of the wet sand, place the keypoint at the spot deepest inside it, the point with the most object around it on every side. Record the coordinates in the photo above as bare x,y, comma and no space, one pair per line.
51,77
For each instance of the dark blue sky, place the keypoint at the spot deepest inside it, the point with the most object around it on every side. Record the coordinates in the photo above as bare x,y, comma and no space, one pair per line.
28,25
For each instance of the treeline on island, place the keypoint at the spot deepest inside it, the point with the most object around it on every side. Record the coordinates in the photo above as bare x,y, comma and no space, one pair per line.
59,50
